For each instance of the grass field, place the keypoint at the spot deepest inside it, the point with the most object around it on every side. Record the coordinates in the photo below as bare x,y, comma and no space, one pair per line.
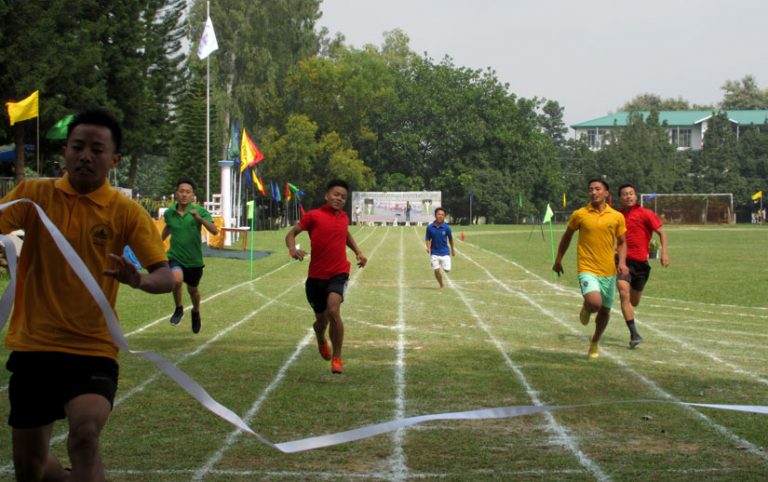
502,333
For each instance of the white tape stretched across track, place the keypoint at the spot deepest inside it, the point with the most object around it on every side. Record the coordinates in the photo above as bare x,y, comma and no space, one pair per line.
202,396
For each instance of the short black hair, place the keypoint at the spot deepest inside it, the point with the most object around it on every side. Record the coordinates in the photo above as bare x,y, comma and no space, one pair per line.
336,182
597,179
99,117
186,180
627,185
439,209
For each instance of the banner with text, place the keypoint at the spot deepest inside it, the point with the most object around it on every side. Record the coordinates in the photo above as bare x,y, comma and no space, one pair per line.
395,207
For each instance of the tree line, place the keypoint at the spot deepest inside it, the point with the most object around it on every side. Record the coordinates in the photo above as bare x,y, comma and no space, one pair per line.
382,117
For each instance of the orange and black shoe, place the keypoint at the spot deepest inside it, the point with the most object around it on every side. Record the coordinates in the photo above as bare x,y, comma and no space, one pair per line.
337,366
324,349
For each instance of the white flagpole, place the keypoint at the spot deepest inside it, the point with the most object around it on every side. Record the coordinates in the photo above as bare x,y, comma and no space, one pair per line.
208,45
238,221
208,118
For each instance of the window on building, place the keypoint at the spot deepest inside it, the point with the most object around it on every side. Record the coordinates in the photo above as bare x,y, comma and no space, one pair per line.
595,138
680,138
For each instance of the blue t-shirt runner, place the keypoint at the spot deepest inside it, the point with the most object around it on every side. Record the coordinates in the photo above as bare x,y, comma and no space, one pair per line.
439,236
438,239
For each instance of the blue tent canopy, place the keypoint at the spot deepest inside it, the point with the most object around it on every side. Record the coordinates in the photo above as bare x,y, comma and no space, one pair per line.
8,151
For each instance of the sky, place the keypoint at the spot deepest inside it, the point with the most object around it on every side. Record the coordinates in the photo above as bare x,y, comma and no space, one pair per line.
591,56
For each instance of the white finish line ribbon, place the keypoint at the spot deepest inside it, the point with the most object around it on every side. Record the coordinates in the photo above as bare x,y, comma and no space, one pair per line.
198,392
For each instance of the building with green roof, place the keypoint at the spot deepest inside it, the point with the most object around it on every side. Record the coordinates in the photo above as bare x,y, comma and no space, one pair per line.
686,128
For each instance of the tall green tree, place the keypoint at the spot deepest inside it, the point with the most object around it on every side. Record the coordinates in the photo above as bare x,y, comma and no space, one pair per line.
716,168
163,69
259,41
460,130
744,95
124,58
188,149
648,102
641,154
298,156
63,71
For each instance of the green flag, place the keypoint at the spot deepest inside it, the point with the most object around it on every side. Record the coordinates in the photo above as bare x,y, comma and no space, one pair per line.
519,200
548,215
59,130
250,209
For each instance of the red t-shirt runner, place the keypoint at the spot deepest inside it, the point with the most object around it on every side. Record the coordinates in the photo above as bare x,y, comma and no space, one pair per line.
641,223
327,231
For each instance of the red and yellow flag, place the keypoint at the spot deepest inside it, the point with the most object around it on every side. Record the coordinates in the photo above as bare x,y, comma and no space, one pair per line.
23,109
249,153
259,183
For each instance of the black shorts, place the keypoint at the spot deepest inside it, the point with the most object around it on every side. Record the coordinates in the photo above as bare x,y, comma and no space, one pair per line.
192,276
639,272
42,383
318,290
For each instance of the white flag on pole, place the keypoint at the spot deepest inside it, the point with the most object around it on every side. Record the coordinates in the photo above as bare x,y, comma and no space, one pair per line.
208,43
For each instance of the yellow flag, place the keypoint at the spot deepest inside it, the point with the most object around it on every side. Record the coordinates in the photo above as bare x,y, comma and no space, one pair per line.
757,195
23,109
563,199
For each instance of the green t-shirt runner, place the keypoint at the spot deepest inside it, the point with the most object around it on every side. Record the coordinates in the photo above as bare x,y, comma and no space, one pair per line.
183,222
186,241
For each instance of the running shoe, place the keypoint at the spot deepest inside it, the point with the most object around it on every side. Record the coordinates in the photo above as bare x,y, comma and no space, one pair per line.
584,316
325,350
594,350
635,340
337,366
177,315
196,322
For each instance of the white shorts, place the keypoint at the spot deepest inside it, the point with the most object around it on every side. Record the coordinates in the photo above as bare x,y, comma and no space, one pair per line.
441,262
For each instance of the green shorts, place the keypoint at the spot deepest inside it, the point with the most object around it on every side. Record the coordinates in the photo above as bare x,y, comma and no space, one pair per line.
606,285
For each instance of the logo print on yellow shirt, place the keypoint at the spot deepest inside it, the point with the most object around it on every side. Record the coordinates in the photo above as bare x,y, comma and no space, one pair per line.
101,234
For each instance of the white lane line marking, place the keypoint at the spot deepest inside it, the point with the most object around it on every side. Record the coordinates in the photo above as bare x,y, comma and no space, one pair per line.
749,446
397,461
234,435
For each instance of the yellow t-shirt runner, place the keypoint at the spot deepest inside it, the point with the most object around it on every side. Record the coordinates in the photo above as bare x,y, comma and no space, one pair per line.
597,238
53,310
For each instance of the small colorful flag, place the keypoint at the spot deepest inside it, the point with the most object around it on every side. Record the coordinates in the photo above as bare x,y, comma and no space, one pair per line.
250,209
24,109
519,200
208,43
59,130
259,184
548,215
287,192
564,200
249,153
757,195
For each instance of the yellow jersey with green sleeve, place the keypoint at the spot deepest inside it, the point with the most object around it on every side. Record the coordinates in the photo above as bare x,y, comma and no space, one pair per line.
597,238
53,310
